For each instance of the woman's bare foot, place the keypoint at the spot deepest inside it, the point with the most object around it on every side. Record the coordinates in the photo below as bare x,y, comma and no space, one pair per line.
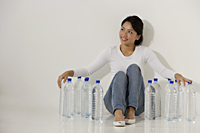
118,115
130,113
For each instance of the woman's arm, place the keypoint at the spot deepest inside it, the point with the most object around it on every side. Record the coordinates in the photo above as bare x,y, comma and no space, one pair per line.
100,61
153,61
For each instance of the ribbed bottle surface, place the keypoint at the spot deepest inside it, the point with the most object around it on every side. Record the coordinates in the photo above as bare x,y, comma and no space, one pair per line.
86,99
170,102
68,104
157,87
190,103
150,101
179,111
77,95
97,102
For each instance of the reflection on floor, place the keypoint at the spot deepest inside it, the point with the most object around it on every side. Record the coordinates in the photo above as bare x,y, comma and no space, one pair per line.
37,120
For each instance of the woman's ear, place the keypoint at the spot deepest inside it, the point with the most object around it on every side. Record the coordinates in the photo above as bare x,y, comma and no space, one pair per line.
138,37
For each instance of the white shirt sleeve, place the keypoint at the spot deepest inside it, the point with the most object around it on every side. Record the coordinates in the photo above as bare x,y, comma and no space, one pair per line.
99,62
153,61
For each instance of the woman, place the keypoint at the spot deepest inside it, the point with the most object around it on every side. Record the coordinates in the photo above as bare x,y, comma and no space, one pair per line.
125,95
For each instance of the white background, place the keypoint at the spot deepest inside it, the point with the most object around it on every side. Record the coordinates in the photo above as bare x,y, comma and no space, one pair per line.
40,39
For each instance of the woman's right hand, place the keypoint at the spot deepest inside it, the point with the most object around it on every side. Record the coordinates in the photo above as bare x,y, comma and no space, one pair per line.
64,77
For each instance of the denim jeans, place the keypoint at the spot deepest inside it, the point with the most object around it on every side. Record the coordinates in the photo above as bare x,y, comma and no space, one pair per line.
126,90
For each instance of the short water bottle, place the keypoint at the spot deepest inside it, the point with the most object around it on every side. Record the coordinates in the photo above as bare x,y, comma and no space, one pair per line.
86,99
190,103
150,93
179,111
77,95
68,104
157,87
97,102
168,83
61,98
170,102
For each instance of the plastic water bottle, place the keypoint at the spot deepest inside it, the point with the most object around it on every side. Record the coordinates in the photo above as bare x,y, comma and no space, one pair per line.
86,99
168,83
158,97
61,98
179,111
170,102
150,94
97,102
190,103
77,95
68,104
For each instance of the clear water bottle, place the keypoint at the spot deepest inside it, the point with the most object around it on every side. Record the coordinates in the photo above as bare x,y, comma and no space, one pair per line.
68,104
157,87
86,99
97,102
77,95
179,111
150,101
168,83
61,98
170,102
190,102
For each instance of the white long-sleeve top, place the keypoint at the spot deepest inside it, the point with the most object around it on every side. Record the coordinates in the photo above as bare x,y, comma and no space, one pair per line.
119,62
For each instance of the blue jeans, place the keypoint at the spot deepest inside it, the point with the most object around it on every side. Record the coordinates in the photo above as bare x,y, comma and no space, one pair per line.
126,90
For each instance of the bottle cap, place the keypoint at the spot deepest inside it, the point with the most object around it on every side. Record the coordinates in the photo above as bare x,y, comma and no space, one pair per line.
149,81
189,82
79,77
176,81
97,81
155,79
86,78
171,82
69,79
169,79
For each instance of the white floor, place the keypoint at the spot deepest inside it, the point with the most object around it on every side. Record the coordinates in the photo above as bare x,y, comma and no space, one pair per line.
43,120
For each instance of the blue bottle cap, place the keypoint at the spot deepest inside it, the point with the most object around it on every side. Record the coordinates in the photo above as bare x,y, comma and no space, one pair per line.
155,79
69,79
190,83
86,78
79,77
97,81
171,82
149,81
176,81
169,79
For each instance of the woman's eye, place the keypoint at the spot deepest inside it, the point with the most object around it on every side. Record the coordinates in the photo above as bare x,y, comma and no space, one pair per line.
122,29
130,32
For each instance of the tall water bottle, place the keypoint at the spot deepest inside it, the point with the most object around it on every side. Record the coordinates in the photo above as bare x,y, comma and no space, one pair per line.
61,98
170,102
68,104
190,102
150,101
77,95
158,97
86,99
168,83
179,111
97,102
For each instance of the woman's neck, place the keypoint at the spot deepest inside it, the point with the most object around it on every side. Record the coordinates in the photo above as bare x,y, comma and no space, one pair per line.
127,50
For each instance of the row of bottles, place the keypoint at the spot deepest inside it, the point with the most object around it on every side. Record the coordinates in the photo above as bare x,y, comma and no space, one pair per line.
81,98
173,101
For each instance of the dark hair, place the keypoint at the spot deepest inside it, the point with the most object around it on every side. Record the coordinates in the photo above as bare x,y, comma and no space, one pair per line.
137,25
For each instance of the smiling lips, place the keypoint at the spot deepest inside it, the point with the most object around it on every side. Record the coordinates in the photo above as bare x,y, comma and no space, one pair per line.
123,39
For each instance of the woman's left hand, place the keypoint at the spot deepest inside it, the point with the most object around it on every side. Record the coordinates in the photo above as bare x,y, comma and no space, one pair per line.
180,79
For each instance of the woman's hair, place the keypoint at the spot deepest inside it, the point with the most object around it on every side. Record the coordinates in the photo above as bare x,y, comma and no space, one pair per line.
137,25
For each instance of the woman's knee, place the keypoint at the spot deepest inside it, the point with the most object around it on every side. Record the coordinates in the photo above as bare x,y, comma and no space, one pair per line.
120,78
133,69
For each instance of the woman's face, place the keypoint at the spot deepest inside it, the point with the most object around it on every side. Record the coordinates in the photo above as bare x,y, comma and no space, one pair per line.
128,35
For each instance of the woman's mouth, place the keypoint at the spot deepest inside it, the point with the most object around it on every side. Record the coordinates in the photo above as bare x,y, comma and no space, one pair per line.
124,39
